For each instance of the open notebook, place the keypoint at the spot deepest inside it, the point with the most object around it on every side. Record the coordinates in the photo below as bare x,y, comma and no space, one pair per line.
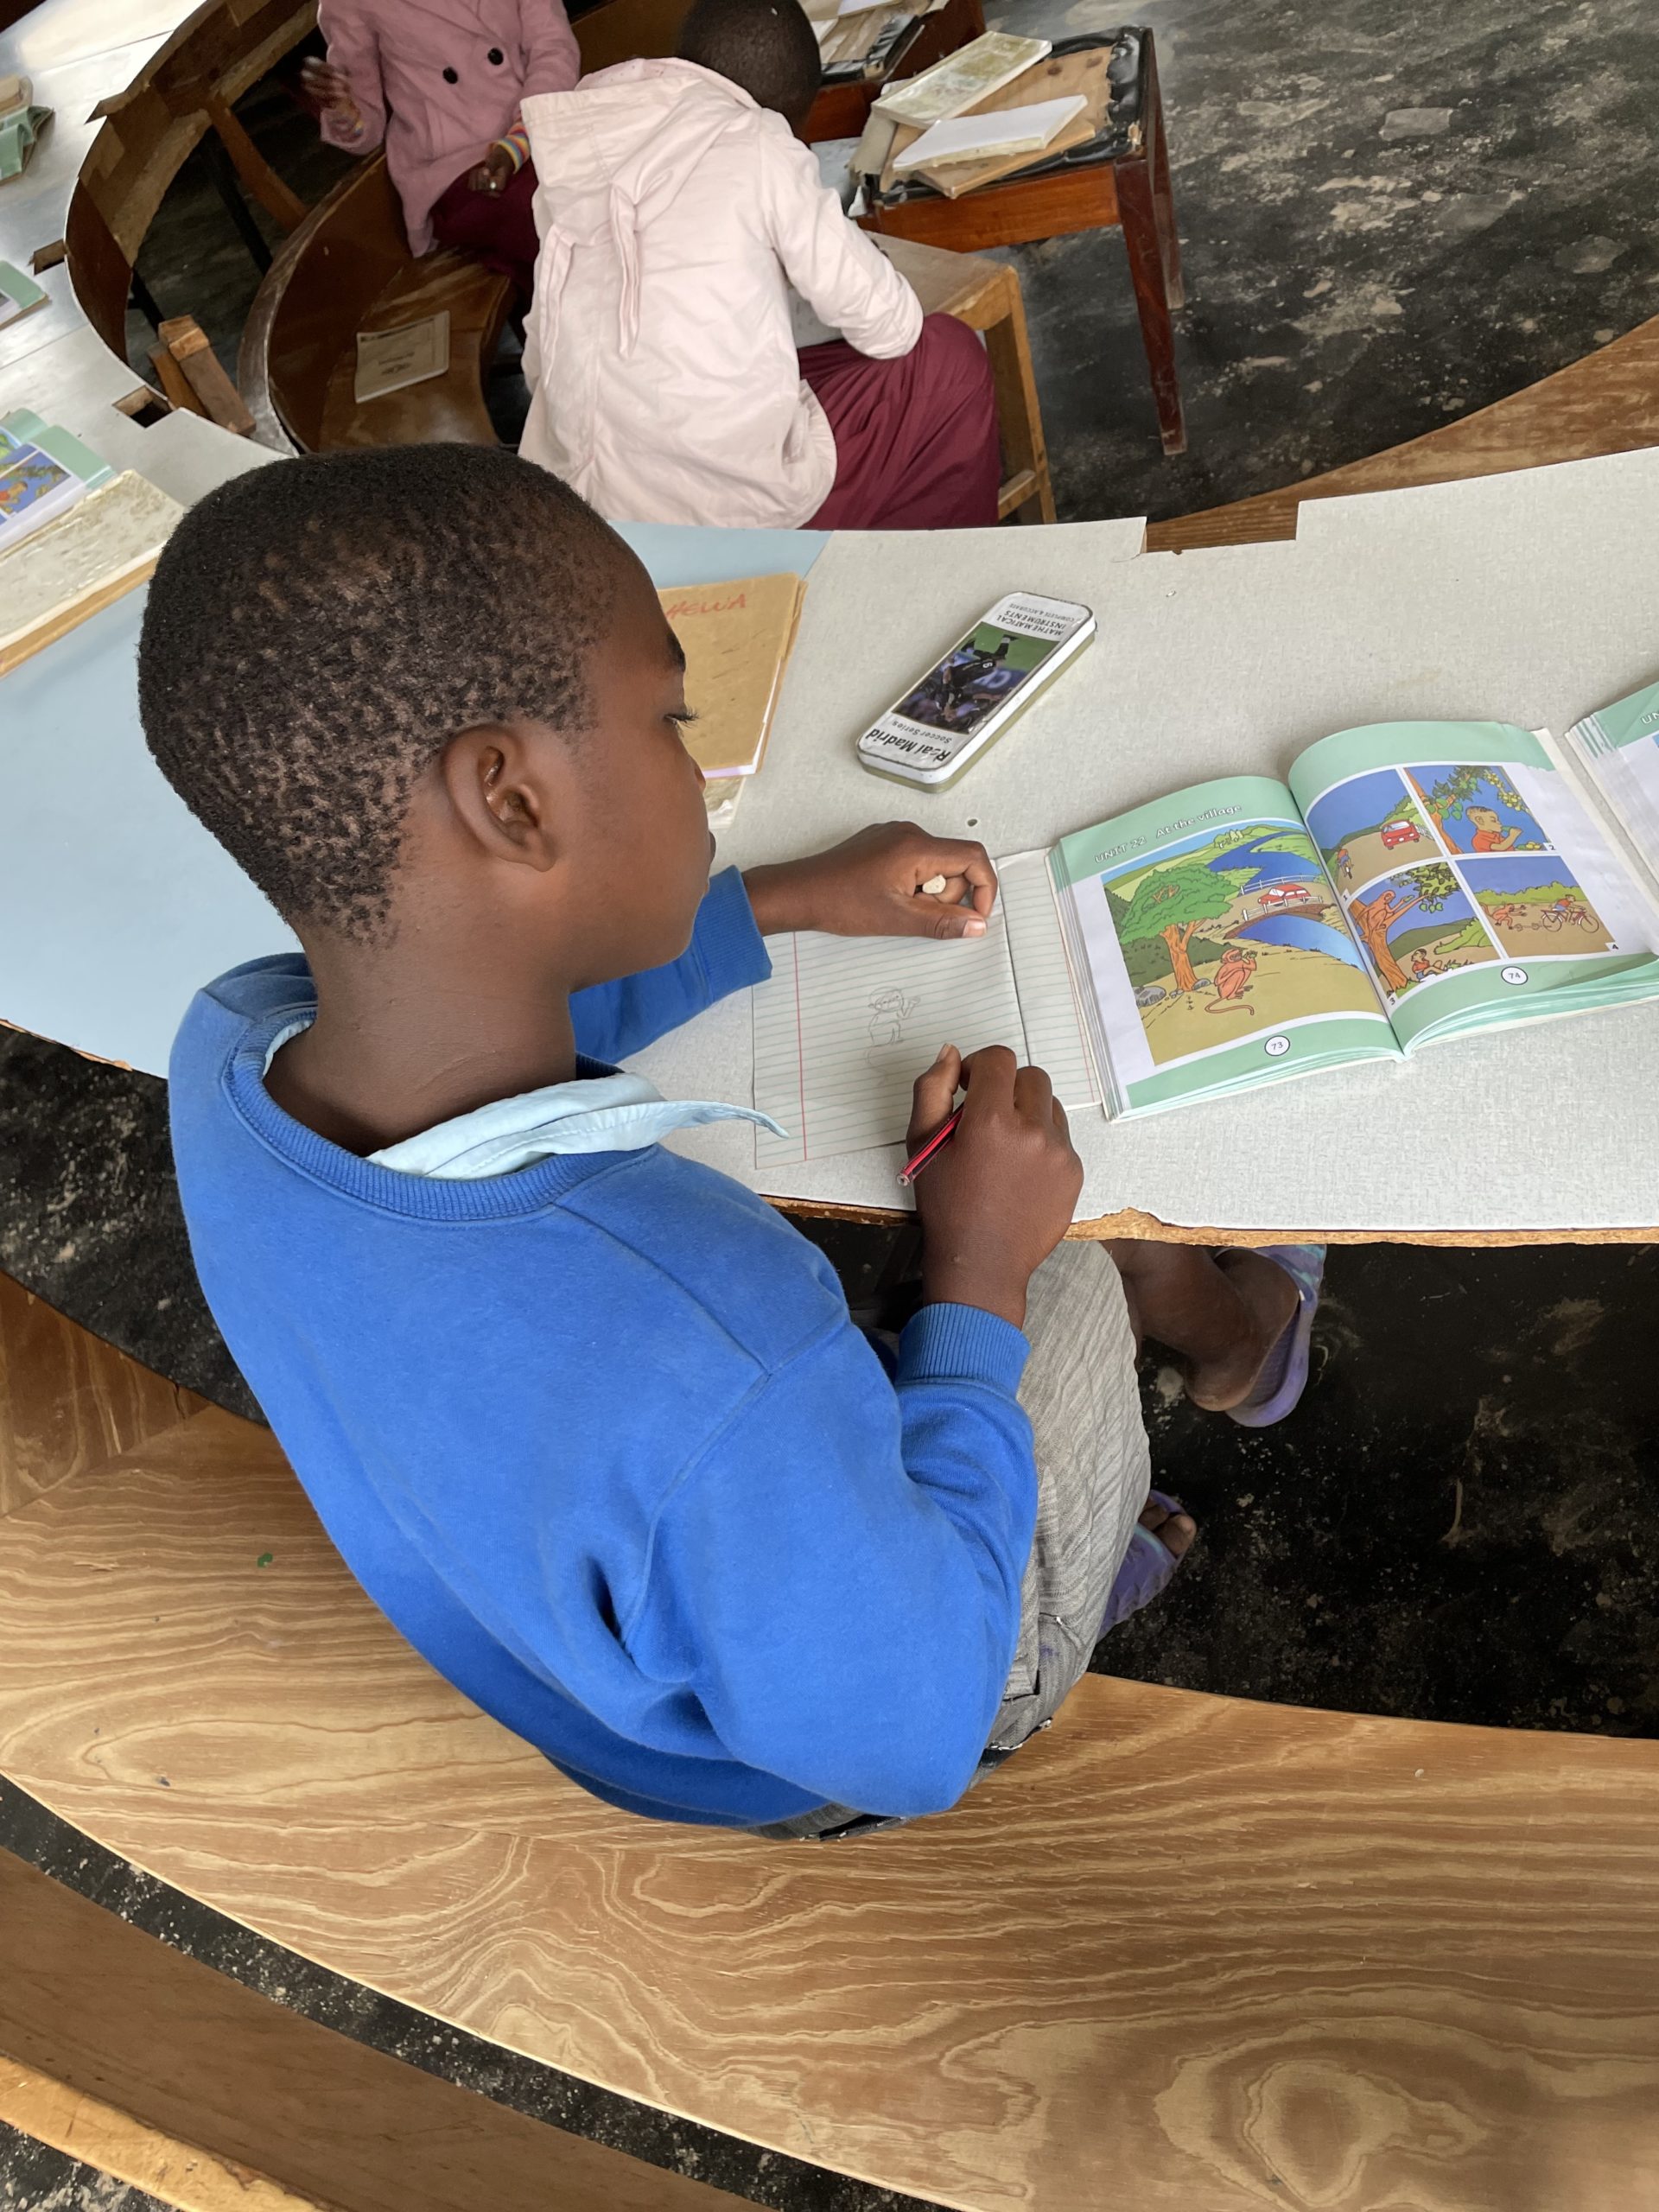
1407,883
846,1024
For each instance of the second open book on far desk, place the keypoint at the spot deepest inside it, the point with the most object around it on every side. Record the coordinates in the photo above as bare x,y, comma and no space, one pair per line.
1407,883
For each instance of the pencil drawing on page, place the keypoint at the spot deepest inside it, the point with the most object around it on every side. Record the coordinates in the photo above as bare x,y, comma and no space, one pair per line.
890,1009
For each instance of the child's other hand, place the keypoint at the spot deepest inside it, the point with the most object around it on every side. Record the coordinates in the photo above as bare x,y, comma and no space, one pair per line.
872,886
328,86
494,173
997,1198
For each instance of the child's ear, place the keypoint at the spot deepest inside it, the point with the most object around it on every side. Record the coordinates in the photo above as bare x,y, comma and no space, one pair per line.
498,783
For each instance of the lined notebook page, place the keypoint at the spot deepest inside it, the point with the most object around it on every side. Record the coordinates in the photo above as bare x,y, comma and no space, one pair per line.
1055,1036
845,1025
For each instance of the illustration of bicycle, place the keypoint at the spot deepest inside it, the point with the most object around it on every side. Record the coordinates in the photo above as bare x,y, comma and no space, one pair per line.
1555,918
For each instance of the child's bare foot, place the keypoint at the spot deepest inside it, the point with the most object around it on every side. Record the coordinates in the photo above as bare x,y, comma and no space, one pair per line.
1268,1298
1161,1541
1161,1518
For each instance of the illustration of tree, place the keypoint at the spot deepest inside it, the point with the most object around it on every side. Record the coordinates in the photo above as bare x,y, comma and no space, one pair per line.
1170,902
1431,887
1446,800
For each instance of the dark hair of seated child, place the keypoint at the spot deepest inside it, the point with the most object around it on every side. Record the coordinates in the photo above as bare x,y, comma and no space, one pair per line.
766,47
318,634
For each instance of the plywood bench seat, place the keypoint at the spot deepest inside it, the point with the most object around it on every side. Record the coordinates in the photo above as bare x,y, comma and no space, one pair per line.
1183,1954
346,269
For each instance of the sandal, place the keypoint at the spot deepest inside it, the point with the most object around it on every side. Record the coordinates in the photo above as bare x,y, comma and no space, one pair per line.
1284,1373
1148,1567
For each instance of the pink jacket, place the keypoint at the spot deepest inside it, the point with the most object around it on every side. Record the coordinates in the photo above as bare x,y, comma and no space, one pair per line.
675,214
439,81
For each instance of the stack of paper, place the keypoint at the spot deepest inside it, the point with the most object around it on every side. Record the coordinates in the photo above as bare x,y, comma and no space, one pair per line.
973,73
738,638
1001,131
720,800
107,544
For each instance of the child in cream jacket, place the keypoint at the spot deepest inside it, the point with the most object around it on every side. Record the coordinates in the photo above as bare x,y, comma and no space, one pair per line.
677,209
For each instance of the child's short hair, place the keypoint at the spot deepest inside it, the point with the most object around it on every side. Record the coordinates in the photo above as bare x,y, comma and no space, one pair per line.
767,47
319,629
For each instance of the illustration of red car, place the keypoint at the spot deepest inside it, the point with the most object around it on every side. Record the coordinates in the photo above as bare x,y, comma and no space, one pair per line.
1284,895
1402,833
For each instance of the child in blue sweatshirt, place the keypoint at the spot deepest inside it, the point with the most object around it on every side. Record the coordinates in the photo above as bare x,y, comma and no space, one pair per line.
589,1421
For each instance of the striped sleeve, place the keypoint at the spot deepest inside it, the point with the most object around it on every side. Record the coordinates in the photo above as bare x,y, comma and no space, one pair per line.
517,141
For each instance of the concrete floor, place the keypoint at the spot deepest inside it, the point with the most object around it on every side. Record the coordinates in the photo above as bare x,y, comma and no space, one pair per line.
1389,218
36,2178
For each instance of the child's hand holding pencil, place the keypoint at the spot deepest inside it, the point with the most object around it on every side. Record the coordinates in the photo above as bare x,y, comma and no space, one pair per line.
1000,1185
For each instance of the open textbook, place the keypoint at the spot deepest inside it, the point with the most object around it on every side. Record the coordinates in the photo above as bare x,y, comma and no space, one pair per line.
1407,883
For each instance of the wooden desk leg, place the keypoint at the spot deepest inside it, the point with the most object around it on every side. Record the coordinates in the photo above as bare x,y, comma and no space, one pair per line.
1018,412
1139,214
284,206
1162,196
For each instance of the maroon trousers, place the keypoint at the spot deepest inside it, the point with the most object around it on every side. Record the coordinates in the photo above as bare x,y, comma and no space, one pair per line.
916,439
498,228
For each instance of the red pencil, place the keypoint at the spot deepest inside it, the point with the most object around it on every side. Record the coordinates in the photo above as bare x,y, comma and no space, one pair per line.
913,1166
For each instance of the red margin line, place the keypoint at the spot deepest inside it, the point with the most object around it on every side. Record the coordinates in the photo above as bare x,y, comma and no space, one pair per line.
800,1045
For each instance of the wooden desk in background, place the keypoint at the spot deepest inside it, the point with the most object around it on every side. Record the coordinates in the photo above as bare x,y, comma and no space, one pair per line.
1121,178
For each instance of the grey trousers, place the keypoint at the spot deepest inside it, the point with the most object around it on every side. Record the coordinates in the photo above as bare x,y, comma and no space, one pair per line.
1094,1471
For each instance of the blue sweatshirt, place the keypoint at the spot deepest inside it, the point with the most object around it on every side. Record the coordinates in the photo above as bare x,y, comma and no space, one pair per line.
599,1439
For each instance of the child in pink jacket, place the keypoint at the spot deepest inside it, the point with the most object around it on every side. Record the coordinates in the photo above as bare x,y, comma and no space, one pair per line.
676,208
440,81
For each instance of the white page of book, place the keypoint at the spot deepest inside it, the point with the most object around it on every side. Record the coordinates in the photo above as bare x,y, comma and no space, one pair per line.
1630,780
846,1025
1626,775
1056,1038
1622,902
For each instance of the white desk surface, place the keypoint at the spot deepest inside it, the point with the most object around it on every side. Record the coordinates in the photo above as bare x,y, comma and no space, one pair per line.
1527,597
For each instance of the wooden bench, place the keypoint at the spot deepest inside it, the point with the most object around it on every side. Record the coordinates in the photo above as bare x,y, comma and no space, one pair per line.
186,90
1183,1952
349,268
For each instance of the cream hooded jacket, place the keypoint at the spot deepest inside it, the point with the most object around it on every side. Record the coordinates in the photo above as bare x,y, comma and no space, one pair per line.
675,214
